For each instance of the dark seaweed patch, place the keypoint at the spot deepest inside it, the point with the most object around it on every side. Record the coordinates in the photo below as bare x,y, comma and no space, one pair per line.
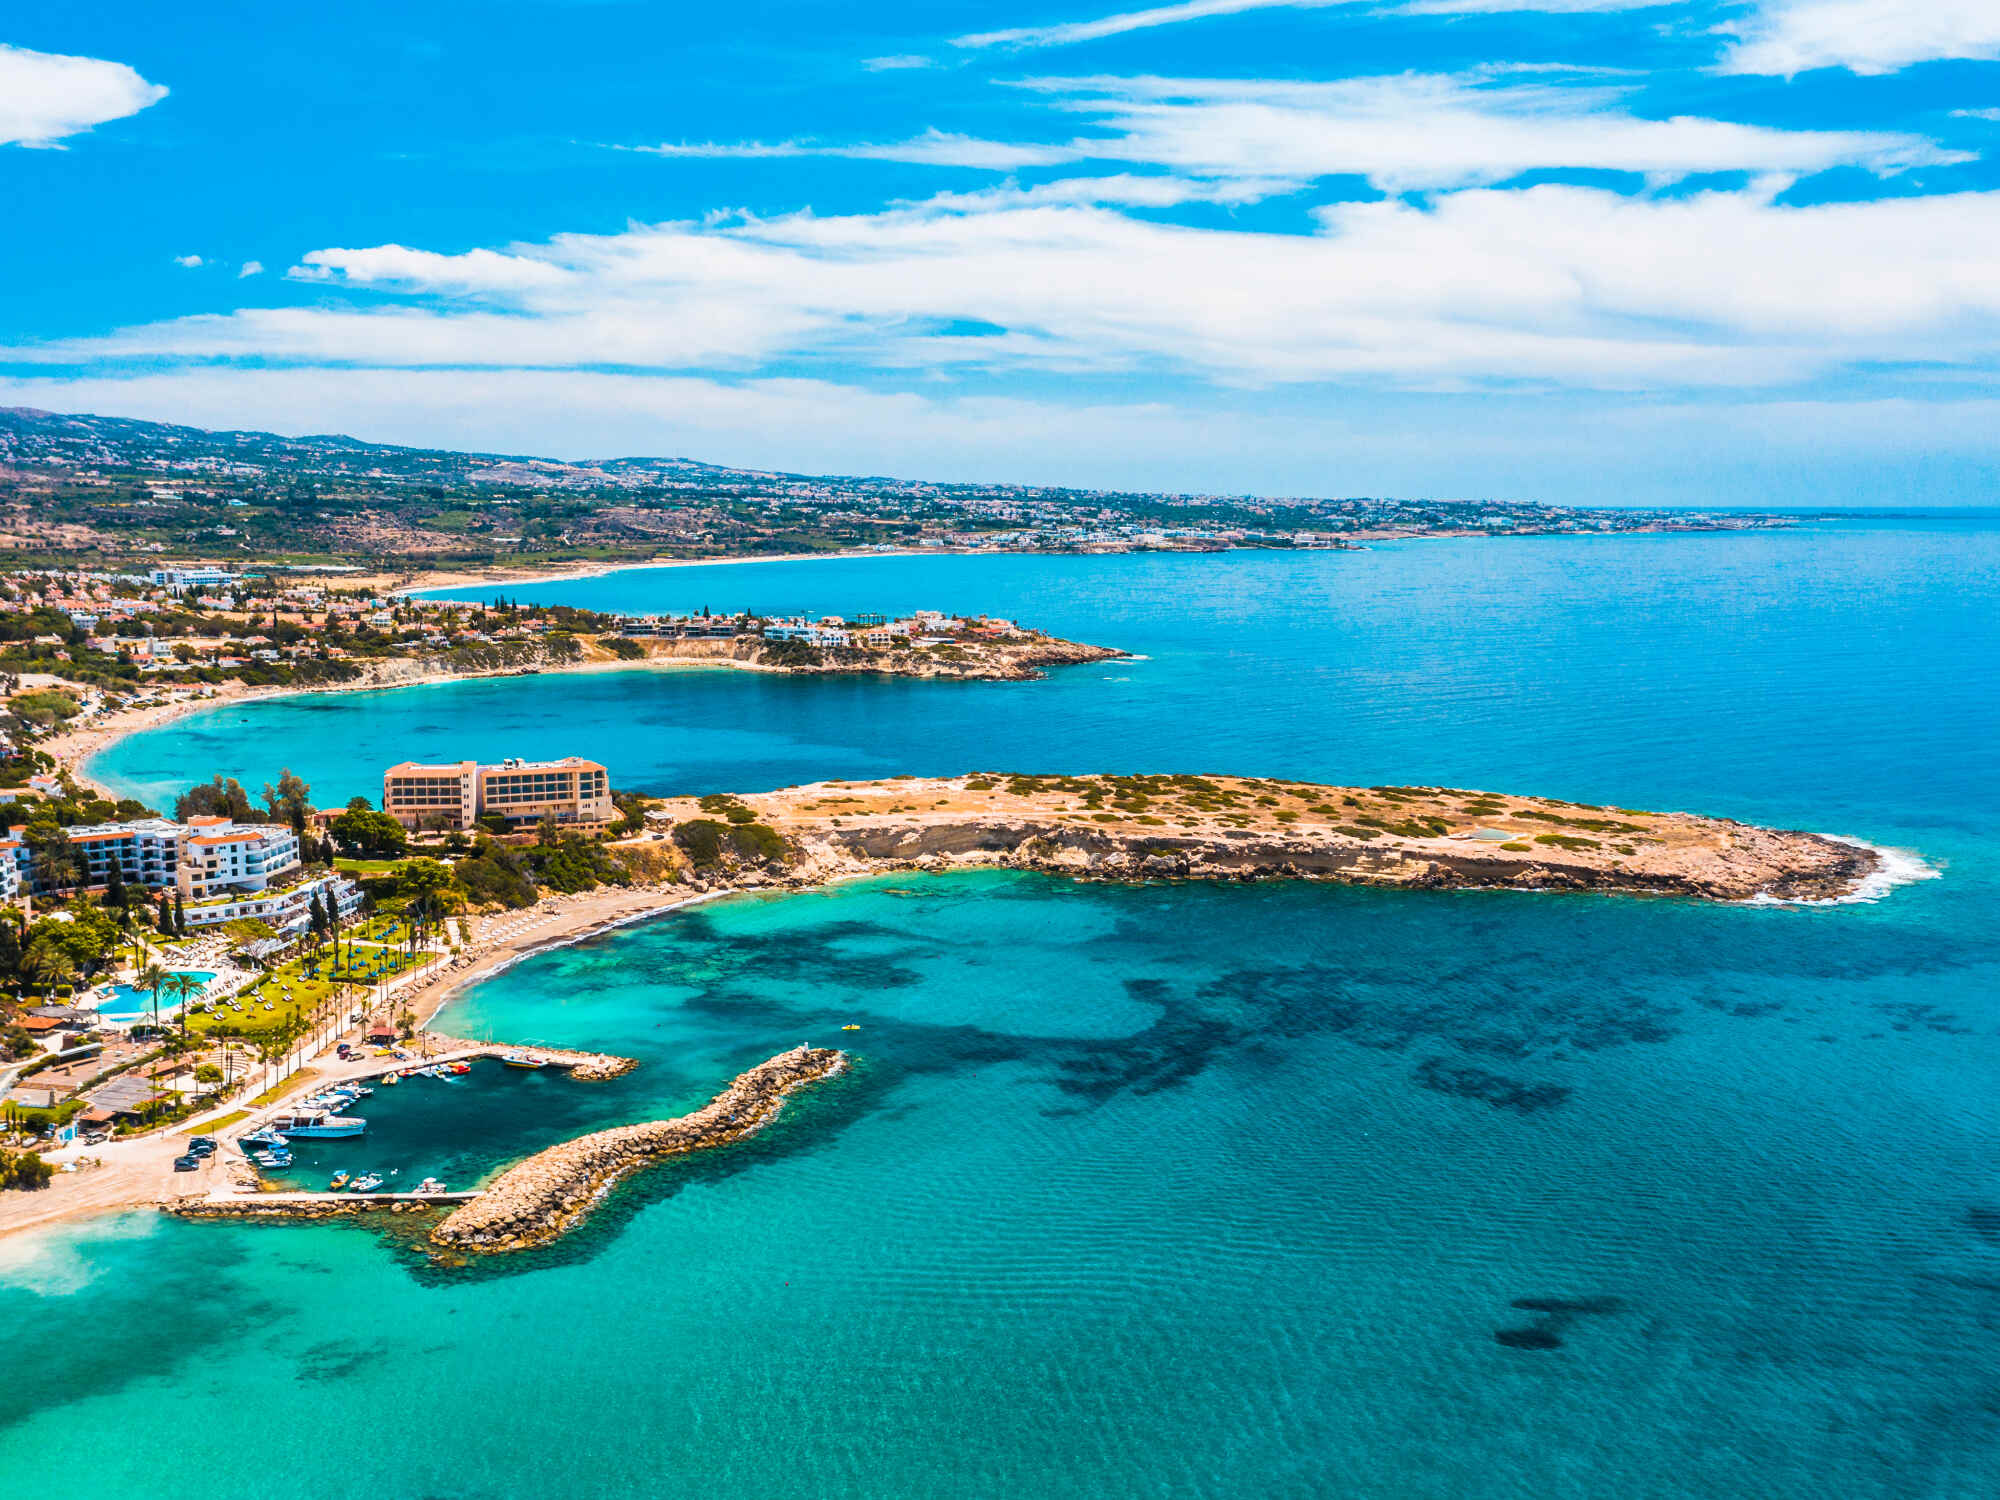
1557,1314
1489,1088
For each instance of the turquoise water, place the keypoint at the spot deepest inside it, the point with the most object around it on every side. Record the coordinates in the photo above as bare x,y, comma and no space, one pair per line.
1161,1191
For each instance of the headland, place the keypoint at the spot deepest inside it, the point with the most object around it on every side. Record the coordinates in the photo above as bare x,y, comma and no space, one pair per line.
1190,827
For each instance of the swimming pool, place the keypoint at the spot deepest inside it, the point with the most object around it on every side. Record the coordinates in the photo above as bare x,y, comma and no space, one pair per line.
128,1004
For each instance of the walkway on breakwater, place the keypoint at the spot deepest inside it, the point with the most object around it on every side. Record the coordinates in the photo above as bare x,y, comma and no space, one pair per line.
552,1192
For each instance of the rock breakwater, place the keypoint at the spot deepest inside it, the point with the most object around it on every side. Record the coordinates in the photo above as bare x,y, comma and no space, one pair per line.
541,1199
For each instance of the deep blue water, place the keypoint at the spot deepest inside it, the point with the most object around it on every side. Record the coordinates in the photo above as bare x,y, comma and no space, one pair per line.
1160,1191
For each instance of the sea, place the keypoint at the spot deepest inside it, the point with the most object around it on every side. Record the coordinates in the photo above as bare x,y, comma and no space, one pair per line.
1173,1190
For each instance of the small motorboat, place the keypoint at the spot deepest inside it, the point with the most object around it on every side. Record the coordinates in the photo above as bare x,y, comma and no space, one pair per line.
340,1180
461,1067
392,1079
850,1026
524,1060
430,1187
366,1184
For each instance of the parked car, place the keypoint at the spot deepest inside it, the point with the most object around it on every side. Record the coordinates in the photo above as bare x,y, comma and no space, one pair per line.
187,1163
96,1137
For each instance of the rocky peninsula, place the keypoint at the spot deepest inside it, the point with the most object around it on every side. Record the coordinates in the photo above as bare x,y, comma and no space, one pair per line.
544,1197
1199,827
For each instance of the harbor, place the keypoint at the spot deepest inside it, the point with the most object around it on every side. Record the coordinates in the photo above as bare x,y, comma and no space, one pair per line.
531,1203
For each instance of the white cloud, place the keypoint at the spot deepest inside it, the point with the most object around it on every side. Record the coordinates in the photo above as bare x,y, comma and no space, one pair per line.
1425,131
189,262
1412,131
1783,37
1070,32
1787,37
934,148
896,63
250,268
1557,286
45,96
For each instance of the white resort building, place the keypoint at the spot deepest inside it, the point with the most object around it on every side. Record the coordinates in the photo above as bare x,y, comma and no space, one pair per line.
220,870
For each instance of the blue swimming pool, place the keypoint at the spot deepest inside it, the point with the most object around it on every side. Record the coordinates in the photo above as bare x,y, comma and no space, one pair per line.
128,1004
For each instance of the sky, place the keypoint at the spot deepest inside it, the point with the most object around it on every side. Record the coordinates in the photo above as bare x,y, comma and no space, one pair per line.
1580,251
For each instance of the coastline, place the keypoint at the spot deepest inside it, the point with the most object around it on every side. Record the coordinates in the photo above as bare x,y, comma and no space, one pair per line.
139,1172
437,581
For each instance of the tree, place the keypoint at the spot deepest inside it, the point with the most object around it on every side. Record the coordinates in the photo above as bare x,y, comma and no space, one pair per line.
114,885
152,977
48,965
289,801
369,833
219,798
50,851
180,916
10,950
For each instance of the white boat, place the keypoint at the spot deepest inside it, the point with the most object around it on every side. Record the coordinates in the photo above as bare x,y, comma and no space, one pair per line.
366,1184
318,1124
429,1188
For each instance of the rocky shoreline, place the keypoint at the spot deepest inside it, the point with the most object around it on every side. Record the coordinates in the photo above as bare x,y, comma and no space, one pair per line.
541,1199
1246,829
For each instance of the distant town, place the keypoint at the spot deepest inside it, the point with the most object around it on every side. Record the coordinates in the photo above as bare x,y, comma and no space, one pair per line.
88,489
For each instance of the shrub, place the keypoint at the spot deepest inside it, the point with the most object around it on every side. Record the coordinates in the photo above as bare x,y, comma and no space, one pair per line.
700,839
757,841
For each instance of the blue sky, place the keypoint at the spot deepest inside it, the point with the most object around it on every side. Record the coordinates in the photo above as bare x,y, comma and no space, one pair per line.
1576,250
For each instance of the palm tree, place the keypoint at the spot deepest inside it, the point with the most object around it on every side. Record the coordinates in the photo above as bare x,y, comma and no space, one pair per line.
185,987
50,966
153,978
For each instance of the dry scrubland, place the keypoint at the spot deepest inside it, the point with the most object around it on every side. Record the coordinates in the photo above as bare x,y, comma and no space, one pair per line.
1236,827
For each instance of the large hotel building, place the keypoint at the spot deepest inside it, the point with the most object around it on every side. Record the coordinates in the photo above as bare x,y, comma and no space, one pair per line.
574,792
221,870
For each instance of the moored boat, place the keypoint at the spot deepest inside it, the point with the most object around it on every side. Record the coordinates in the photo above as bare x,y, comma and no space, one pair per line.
367,1184
524,1060
340,1180
318,1124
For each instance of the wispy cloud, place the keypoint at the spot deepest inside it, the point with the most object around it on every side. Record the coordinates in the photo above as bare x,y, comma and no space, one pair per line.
935,148
1562,286
1068,33
1408,132
45,96
1788,37
189,262
250,268
897,62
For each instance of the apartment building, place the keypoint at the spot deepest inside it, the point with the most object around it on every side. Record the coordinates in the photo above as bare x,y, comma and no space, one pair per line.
575,792
200,858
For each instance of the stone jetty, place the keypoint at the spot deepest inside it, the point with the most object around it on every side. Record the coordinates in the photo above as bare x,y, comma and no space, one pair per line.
550,1193
584,1067
291,1207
